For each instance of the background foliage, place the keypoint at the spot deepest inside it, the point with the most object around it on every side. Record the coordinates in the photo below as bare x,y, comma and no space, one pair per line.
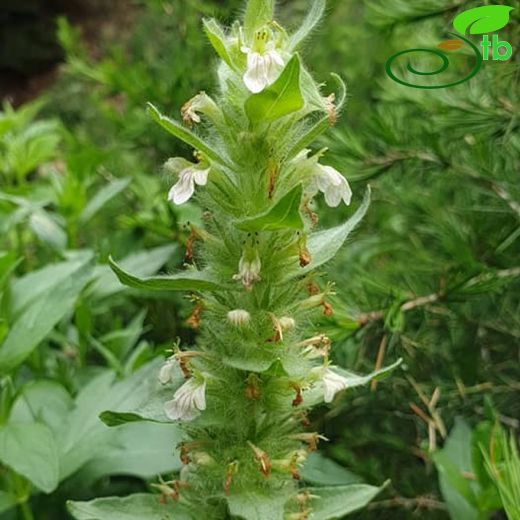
431,275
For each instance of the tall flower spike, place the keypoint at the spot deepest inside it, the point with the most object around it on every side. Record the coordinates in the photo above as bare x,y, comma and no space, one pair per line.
188,401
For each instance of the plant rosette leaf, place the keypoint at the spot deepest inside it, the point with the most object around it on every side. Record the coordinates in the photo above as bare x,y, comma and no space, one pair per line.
282,98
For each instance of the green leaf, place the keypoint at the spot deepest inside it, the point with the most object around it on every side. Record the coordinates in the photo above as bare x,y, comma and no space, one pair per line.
40,316
142,264
185,135
134,507
320,471
186,281
324,245
255,505
258,14
452,462
30,450
312,19
283,97
480,20
322,124
285,214
358,380
48,230
102,197
338,501
7,501
217,38
127,454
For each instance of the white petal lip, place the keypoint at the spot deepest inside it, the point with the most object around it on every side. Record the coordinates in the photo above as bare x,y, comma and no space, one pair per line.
165,373
188,401
333,185
262,69
183,189
332,384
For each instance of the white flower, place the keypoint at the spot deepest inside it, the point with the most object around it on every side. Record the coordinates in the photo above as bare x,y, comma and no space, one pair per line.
287,323
249,268
200,104
332,184
264,63
189,175
239,317
187,401
332,384
165,373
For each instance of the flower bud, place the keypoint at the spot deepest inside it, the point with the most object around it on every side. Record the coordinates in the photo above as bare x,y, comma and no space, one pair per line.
239,317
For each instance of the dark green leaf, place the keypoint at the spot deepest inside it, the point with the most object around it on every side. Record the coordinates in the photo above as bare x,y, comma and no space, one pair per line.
320,471
186,281
217,39
283,97
285,214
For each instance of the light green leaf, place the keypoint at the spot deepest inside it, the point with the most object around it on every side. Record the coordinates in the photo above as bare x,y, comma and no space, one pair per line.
358,380
481,20
142,450
185,135
453,462
48,230
283,97
338,501
320,125
312,19
30,450
258,14
217,38
102,197
41,315
258,506
285,214
142,264
134,507
7,501
324,245
320,471
186,281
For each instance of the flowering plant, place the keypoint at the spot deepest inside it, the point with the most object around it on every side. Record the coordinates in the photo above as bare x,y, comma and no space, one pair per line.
260,364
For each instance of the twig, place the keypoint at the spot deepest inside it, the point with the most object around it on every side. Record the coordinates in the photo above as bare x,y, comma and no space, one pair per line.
379,360
409,503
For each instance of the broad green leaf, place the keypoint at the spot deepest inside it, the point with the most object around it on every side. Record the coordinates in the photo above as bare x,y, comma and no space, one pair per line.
285,214
134,507
142,450
320,471
217,38
30,450
186,281
312,19
255,505
283,97
336,502
481,20
258,13
148,405
48,230
102,197
142,264
185,135
453,462
40,316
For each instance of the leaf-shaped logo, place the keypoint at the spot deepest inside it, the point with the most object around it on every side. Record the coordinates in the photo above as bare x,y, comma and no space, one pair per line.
481,20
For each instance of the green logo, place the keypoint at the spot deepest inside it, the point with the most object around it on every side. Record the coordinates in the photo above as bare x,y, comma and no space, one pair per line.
480,20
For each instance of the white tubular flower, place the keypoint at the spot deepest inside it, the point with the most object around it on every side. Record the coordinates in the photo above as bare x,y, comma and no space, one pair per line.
333,185
188,401
200,104
332,384
165,373
238,317
264,63
249,268
189,175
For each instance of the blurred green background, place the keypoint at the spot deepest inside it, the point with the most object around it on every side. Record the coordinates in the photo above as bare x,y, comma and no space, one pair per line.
431,275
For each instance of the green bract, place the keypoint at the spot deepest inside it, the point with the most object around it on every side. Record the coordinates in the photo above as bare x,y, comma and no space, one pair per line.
261,361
